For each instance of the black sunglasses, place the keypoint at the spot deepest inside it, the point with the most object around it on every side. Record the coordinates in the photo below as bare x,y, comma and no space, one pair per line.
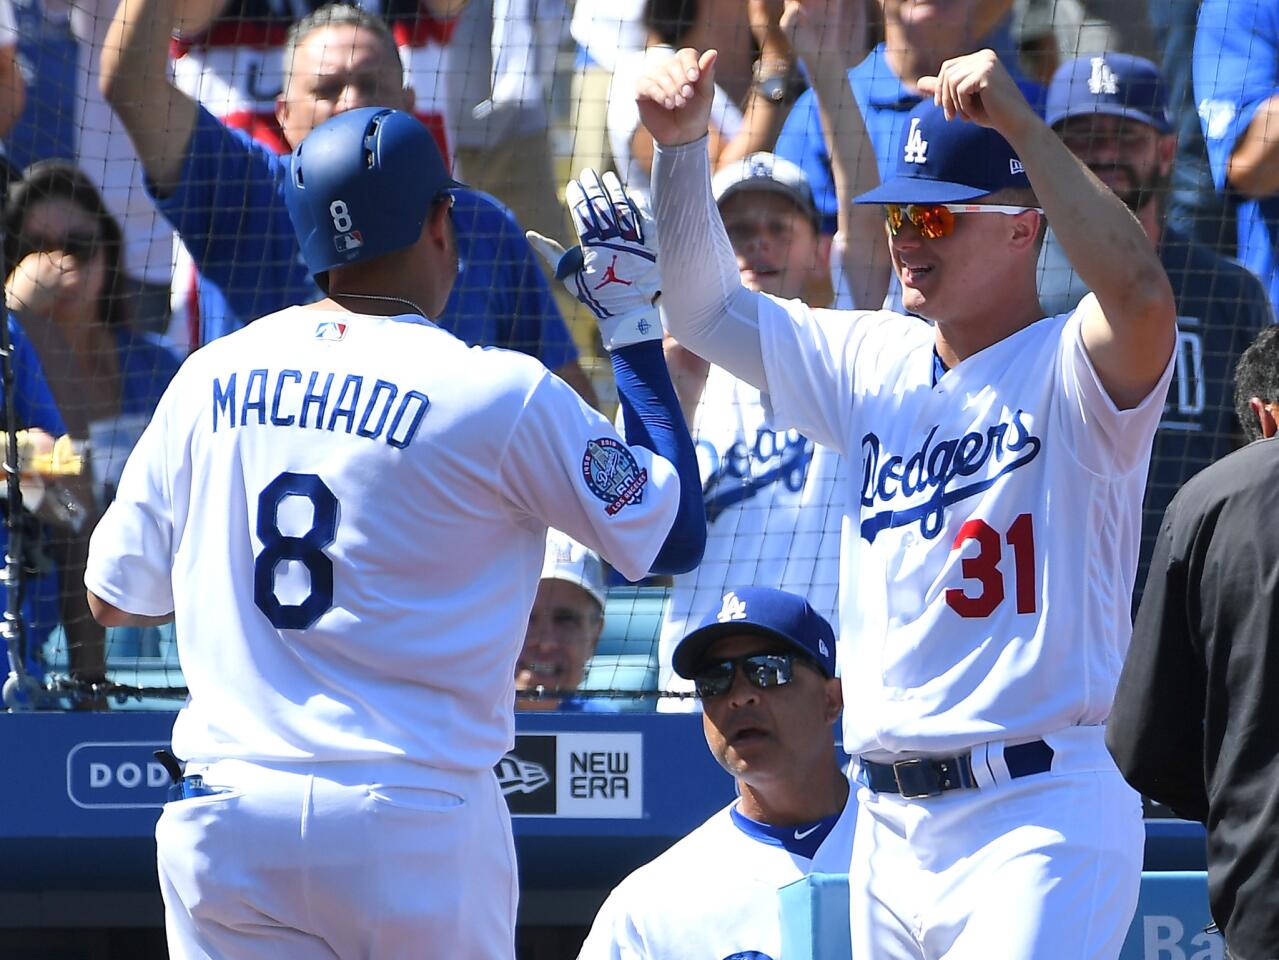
762,671
81,244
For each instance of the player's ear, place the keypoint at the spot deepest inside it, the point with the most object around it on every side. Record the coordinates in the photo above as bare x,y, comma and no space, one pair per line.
1025,229
1265,416
834,699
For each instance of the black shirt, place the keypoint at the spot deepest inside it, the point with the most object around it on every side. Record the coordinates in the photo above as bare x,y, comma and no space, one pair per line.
1195,723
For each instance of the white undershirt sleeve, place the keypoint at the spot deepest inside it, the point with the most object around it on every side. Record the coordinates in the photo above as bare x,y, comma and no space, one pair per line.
705,306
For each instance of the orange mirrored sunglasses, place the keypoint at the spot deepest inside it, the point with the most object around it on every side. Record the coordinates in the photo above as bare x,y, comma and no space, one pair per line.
937,220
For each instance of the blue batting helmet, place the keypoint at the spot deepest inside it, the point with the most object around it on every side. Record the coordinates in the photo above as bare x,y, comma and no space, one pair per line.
361,185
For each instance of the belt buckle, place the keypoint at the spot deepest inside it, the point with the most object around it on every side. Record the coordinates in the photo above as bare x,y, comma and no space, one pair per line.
916,779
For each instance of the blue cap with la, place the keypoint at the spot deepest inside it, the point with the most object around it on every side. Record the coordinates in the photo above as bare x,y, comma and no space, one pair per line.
948,161
764,612
1114,84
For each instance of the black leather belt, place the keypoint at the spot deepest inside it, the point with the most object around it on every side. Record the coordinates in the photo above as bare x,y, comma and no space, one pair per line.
921,777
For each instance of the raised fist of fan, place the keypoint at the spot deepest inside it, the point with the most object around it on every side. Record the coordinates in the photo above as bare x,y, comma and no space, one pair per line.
613,270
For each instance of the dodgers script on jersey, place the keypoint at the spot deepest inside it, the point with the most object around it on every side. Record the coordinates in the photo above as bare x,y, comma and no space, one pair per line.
712,896
376,494
774,503
1009,488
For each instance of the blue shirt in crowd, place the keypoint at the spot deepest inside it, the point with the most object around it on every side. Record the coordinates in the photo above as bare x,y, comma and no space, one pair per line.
229,209
885,102
1236,69
34,406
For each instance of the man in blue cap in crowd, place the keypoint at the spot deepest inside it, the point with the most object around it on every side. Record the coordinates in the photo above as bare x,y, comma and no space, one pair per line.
1111,111
763,665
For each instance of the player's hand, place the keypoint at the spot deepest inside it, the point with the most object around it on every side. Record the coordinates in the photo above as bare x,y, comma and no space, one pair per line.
613,271
674,97
977,87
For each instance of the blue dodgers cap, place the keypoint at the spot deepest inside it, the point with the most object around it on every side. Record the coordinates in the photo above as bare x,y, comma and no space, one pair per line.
765,612
1115,84
948,161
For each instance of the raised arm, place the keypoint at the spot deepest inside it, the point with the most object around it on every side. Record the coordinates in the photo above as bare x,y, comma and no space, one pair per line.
830,35
134,78
1129,324
706,307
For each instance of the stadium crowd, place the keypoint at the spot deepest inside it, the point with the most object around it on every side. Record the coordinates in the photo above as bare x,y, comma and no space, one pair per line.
146,144
164,120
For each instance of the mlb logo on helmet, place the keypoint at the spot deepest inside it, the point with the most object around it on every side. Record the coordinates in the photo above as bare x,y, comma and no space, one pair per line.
345,242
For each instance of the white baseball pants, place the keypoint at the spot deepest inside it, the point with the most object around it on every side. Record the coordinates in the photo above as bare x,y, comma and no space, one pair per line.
1046,867
326,860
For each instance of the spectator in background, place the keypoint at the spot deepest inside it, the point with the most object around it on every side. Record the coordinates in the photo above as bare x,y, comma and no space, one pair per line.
564,629
1193,721
232,57
69,290
223,192
1195,207
1236,73
501,67
13,89
773,497
49,53
918,37
1112,112
603,30
738,128
763,663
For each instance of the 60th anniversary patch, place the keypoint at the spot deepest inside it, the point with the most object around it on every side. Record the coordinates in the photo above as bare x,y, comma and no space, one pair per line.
612,474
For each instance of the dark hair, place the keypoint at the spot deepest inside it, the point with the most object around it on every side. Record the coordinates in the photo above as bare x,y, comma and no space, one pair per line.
671,20
1257,375
62,180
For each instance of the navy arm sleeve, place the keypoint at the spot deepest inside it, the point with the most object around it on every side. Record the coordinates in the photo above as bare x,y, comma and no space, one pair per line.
651,418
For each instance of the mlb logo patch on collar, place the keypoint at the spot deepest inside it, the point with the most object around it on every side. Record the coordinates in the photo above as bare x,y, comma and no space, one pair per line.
330,330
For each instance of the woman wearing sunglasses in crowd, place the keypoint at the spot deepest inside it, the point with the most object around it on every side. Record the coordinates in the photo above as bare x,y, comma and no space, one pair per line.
67,288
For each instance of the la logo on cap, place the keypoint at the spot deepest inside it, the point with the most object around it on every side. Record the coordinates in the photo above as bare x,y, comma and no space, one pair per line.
1102,80
916,146
733,609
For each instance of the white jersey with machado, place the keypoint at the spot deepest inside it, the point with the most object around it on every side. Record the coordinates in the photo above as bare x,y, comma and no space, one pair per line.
712,896
987,568
774,503
348,514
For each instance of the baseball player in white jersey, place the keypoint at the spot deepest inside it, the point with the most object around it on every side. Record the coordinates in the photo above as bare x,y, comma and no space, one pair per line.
991,531
763,664
773,497
344,508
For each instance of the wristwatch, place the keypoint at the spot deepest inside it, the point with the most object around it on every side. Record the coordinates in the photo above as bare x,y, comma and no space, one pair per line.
778,81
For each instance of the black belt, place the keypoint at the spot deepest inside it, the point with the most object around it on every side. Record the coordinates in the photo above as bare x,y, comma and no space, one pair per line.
921,777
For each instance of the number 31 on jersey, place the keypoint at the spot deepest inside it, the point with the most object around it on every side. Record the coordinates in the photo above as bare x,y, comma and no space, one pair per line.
985,571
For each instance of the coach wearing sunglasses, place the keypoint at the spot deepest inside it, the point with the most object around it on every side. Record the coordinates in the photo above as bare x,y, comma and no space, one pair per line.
763,665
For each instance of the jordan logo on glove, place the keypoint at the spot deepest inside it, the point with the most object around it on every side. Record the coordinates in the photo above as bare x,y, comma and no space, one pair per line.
610,276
